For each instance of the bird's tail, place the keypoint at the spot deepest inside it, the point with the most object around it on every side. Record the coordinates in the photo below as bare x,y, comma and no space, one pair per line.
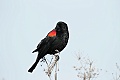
33,66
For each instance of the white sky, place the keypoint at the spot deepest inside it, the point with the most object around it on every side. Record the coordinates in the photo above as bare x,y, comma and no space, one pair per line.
94,27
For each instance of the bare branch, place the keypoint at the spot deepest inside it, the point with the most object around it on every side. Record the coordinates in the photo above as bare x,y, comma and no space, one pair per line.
86,70
50,66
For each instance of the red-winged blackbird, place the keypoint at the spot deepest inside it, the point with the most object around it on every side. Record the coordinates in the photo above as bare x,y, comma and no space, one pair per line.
54,42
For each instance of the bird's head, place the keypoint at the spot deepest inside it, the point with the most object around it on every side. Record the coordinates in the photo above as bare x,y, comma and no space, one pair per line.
61,27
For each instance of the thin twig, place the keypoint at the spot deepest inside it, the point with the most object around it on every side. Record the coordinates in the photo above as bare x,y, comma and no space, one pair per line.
51,67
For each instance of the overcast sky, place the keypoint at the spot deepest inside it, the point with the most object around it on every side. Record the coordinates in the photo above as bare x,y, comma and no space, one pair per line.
94,27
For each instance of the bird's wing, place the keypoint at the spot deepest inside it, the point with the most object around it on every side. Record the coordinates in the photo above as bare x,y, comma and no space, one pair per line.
44,45
46,41
41,44
42,49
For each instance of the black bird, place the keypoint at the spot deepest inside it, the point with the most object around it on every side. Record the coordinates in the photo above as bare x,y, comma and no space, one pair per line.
55,41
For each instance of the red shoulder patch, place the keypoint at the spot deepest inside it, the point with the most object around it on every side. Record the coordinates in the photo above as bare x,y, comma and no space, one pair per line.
52,33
